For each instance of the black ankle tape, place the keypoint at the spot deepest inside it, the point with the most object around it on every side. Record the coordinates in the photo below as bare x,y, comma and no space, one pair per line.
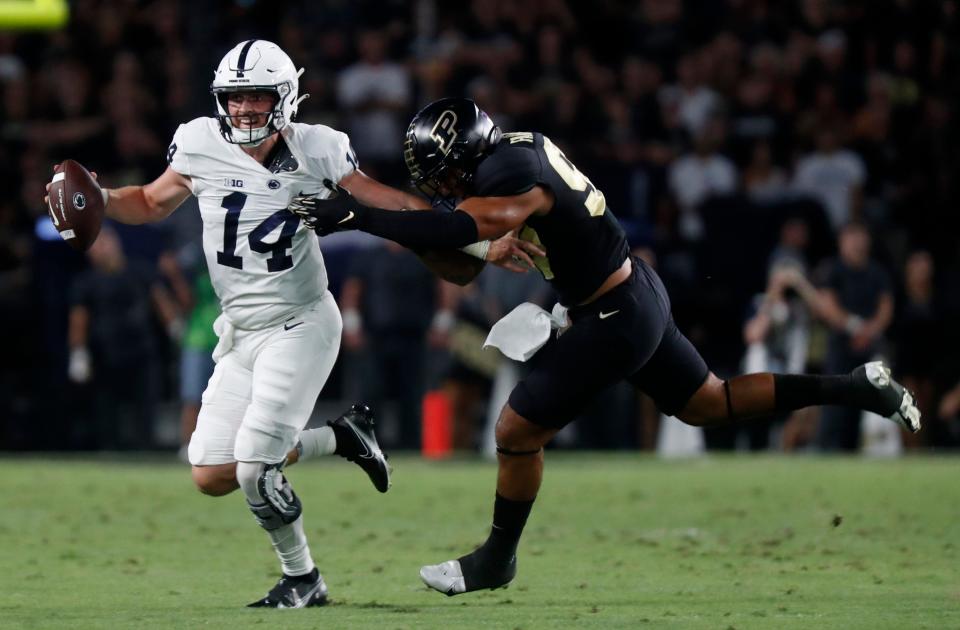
726,390
507,451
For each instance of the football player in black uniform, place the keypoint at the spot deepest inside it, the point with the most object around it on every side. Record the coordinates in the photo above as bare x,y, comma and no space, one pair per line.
621,322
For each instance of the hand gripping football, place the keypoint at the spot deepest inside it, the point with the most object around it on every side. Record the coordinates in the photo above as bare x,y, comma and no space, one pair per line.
76,205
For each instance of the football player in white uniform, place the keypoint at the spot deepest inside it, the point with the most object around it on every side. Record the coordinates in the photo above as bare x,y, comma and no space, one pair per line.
279,333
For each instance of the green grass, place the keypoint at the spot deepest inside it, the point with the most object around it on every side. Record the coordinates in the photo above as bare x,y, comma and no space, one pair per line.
614,541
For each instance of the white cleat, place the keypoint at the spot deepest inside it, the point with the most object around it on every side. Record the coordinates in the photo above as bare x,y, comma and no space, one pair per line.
897,403
446,577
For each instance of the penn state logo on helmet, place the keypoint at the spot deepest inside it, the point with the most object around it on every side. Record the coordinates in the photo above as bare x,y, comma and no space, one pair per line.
445,143
256,65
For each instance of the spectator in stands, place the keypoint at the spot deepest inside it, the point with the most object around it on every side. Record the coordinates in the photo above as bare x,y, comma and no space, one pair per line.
376,93
186,274
697,176
763,180
777,334
918,331
111,341
857,303
392,308
949,415
834,176
696,103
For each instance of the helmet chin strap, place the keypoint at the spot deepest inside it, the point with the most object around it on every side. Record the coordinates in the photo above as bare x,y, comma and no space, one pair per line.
249,133
255,143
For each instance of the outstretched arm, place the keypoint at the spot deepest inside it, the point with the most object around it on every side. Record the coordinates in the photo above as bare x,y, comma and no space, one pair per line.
152,202
372,193
496,216
143,204
477,218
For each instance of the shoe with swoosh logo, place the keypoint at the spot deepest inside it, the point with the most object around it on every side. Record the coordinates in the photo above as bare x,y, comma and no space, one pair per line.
357,443
303,591
884,396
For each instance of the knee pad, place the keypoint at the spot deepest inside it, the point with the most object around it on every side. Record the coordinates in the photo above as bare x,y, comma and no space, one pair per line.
259,441
269,495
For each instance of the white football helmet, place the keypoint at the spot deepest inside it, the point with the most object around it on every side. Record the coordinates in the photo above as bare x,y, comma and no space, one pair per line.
262,66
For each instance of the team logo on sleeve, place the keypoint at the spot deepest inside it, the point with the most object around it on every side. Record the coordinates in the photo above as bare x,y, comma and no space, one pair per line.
444,132
273,184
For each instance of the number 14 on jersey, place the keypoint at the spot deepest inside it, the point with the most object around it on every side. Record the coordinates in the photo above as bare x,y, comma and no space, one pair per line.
279,260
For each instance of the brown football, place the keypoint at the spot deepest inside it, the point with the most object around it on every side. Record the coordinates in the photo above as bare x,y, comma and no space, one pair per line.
76,205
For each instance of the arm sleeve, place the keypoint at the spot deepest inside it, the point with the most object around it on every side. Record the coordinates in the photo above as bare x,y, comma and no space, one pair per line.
439,229
510,170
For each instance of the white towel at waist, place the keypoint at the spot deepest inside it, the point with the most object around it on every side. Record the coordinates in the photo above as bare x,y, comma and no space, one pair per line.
523,331
224,330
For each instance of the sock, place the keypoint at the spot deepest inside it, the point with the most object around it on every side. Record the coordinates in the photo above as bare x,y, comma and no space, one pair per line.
290,543
509,518
316,442
796,391
494,563
307,577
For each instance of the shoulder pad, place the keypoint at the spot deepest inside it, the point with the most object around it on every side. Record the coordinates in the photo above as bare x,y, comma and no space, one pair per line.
512,169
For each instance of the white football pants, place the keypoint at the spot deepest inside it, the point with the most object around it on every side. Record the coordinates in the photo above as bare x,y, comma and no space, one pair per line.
265,386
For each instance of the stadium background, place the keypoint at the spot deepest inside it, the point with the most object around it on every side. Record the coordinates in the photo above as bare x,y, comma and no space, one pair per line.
704,124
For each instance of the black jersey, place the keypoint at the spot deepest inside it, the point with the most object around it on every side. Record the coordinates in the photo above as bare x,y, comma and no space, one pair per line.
583,240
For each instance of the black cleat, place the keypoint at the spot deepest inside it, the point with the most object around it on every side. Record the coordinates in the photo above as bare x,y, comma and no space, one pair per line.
886,397
295,592
357,443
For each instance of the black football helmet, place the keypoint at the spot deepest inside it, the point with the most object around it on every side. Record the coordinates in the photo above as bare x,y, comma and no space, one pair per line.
445,143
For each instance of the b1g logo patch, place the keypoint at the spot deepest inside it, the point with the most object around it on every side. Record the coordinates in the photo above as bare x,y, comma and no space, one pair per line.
79,201
443,131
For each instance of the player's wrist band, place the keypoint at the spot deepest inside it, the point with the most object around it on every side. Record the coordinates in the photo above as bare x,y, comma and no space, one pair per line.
351,321
853,324
477,250
442,321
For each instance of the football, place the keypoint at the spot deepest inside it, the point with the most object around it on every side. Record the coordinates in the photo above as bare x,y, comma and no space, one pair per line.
76,205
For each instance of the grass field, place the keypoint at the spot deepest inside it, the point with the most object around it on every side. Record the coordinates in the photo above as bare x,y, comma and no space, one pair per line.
614,541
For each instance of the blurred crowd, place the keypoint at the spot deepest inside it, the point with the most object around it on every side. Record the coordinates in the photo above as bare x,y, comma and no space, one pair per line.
790,168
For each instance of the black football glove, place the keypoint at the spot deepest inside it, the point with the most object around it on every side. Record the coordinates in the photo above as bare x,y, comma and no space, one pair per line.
336,213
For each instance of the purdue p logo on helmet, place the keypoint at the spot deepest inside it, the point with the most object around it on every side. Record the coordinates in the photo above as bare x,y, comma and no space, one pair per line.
257,65
444,132
445,143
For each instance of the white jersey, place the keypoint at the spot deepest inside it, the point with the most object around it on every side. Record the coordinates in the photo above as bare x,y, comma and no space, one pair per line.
265,266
